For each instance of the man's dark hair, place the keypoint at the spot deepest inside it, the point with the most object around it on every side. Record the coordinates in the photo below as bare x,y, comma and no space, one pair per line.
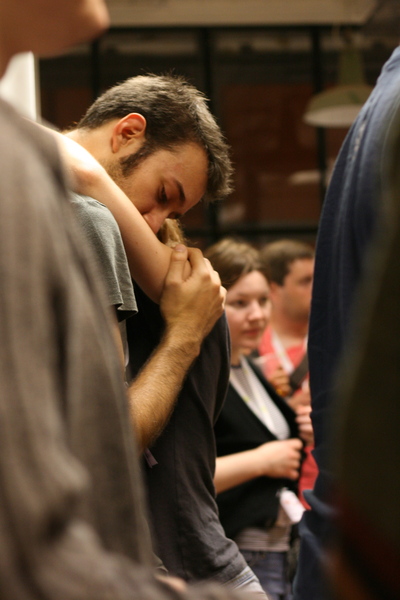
277,258
176,113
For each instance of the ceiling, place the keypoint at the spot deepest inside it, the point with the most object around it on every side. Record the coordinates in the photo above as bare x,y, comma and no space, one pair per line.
147,13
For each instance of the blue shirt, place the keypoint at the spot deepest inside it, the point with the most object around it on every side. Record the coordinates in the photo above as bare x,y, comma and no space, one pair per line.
347,225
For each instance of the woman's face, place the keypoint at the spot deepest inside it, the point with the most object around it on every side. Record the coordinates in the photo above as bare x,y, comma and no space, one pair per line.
247,311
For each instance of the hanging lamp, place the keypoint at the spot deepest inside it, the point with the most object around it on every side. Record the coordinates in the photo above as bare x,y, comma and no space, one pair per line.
339,105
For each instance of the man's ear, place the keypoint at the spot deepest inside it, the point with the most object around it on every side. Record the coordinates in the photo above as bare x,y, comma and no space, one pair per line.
273,289
129,130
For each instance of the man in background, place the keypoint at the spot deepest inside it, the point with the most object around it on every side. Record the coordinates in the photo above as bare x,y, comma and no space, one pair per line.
289,268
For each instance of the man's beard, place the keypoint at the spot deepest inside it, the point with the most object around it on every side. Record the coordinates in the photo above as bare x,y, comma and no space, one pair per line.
119,170
299,315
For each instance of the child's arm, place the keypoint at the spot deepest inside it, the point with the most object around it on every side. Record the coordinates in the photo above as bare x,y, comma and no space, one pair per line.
148,258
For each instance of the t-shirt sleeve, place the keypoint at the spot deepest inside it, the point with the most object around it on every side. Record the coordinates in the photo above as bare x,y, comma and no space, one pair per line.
104,236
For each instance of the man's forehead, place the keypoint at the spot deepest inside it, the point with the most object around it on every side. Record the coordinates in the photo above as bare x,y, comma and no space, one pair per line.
301,262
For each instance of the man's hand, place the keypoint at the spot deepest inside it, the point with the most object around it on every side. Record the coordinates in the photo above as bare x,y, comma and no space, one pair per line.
191,306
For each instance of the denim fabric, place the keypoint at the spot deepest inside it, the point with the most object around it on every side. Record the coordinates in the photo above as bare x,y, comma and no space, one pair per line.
270,568
248,582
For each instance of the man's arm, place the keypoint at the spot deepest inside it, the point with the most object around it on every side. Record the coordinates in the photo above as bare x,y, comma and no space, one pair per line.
190,308
191,303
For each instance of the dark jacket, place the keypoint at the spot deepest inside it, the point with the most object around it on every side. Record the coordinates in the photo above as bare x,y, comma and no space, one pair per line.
254,503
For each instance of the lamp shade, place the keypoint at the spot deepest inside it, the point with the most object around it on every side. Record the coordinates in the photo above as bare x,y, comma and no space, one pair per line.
340,105
337,107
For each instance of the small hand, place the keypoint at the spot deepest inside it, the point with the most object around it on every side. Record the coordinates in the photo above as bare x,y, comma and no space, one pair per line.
300,398
280,458
280,380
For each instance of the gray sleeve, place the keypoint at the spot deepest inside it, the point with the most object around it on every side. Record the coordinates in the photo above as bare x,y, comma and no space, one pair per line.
104,236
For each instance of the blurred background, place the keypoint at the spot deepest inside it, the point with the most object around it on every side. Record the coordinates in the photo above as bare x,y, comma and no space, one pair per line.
263,64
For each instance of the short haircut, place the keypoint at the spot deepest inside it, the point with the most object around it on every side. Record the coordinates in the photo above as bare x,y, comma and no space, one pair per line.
277,258
176,113
232,259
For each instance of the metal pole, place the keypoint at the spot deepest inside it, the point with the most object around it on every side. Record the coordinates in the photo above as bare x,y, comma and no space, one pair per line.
317,79
95,69
206,51
19,85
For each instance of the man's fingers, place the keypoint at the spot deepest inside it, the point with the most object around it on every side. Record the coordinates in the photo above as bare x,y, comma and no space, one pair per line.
208,264
198,298
179,256
201,264
196,258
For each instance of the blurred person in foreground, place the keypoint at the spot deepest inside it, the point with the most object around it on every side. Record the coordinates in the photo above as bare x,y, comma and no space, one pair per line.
71,497
347,227
364,556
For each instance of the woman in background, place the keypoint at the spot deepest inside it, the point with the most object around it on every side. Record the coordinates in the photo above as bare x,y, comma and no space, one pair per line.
257,437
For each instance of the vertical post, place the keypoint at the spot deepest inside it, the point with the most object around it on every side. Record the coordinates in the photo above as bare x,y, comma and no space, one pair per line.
206,52
317,79
95,69
20,85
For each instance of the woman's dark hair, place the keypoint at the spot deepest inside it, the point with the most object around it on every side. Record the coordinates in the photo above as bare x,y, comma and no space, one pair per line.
232,259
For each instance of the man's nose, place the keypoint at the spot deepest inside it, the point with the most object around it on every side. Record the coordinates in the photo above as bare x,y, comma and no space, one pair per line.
155,219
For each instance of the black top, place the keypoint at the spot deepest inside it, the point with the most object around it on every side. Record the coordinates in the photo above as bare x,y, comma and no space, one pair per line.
254,503
188,535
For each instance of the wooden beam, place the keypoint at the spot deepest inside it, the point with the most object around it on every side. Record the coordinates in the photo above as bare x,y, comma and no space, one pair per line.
220,13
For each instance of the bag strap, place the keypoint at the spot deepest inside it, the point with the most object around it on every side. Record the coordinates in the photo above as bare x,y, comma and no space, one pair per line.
297,376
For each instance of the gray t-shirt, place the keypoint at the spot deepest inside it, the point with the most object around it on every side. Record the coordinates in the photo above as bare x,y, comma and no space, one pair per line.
102,231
